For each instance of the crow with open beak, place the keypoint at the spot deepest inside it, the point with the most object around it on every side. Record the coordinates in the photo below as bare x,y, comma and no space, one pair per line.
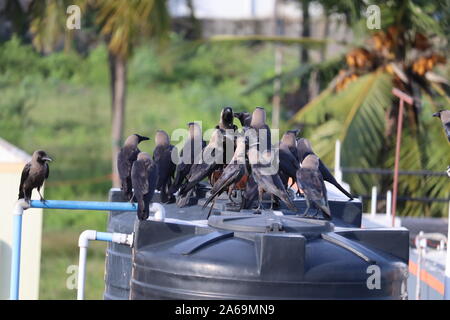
127,155
34,174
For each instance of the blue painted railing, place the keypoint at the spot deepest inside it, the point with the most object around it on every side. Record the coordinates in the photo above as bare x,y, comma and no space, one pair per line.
53,204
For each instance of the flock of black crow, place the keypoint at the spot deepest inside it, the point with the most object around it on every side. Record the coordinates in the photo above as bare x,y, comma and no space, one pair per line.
233,160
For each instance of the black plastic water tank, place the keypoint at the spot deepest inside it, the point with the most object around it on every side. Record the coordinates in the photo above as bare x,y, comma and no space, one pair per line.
118,257
267,257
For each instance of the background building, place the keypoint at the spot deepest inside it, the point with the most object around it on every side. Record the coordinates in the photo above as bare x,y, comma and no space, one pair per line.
12,161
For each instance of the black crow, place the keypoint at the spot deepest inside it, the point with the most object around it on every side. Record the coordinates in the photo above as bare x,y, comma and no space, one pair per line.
245,118
127,155
212,160
304,149
313,186
162,155
444,115
232,173
144,176
190,153
226,119
34,174
266,177
289,163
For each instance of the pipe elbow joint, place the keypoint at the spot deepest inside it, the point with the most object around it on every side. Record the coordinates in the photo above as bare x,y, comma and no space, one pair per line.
158,210
21,205
85,237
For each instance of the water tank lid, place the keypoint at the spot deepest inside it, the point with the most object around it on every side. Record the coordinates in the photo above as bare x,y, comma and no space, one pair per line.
270,223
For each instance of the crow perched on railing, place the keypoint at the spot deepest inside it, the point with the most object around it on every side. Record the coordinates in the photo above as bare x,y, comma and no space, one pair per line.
34,174
127,155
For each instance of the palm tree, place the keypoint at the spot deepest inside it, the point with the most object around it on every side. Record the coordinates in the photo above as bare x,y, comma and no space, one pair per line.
358,106
124,23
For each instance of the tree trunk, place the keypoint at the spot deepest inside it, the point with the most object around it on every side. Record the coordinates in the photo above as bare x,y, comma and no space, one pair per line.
304,54
195,32
118,68
316,81
276,100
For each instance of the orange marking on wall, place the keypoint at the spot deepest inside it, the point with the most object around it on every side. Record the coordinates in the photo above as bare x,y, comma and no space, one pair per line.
427,278
11,167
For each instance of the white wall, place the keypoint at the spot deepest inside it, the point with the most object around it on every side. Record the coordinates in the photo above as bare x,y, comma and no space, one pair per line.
10,173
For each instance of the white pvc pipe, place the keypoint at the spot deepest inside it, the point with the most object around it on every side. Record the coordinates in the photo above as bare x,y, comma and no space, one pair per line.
388,203
373,202
158,210
81,273
20,206
83,243
447,261
337,162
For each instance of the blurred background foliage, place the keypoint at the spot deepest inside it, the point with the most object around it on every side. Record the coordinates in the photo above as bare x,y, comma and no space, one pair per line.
55,94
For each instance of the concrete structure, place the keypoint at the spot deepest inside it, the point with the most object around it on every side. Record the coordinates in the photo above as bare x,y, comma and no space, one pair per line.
12,161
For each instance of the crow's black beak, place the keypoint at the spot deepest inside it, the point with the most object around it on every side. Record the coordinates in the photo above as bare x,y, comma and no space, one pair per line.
437,114
47,159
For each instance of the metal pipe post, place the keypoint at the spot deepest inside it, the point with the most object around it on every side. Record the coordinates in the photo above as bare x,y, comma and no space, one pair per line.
403,97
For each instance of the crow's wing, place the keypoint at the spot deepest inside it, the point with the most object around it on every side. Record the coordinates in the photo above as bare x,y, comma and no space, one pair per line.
273,185
123,162
139,178
313,186
162,156
23,178
311,183
198,173
152,178
231,174
173,166
288,163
